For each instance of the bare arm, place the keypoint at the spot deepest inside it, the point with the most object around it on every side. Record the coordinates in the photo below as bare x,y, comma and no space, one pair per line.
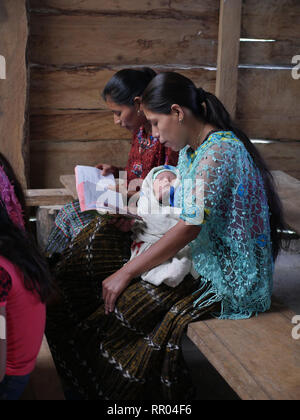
2,342
168,246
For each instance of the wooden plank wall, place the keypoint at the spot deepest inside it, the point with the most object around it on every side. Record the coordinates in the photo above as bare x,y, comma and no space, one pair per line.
76,46
13,89
268,97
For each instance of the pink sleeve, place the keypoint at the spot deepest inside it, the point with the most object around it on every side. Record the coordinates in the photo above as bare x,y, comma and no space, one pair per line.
5,286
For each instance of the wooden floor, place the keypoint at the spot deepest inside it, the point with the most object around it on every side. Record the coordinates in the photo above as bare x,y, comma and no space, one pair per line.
44,382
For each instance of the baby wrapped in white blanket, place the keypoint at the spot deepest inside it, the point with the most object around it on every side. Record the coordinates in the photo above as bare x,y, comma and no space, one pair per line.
159,207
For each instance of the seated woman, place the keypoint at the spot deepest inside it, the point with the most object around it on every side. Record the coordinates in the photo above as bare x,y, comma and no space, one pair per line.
122,96
24,288
130,346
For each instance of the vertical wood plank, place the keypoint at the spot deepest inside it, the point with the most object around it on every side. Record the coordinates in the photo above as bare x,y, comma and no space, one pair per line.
13,89
228,53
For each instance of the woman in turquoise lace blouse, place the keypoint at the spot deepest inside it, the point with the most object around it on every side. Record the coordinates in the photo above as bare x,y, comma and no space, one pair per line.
231,213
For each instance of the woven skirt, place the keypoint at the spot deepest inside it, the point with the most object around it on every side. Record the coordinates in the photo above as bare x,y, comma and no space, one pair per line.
135,352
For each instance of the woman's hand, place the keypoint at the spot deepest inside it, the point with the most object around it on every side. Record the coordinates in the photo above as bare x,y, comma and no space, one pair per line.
108,169
113,287
123,224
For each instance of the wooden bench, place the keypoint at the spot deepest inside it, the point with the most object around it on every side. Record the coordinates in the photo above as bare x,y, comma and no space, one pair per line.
257,357
289,193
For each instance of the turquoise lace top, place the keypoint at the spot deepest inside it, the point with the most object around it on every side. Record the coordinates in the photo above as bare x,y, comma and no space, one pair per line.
223,191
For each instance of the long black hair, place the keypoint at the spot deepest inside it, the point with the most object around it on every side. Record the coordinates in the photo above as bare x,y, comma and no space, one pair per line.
19,248
173,88
127,84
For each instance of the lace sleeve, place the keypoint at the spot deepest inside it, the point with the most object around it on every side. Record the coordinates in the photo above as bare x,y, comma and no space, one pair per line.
204,186
5,286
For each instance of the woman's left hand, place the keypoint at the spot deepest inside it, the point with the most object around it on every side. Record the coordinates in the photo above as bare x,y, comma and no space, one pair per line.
113,287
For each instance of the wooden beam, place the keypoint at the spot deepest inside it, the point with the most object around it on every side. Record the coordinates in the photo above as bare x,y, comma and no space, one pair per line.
13,89
49,197
228,53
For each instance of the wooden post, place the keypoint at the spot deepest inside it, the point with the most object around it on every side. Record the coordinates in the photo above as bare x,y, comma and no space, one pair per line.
13,87
228,53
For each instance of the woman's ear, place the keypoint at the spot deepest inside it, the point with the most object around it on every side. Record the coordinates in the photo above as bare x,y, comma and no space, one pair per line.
137,103
178,112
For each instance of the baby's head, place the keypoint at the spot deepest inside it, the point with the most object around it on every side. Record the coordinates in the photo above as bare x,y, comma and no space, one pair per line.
163,185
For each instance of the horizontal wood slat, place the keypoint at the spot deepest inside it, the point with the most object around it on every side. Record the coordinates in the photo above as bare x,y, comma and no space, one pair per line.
276,20
266,107
51,160
269,53
196,6
79,89
271,19
268,102
61,40
282,157
79,126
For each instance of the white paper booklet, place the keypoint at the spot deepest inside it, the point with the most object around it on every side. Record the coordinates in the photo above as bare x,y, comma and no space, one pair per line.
94,193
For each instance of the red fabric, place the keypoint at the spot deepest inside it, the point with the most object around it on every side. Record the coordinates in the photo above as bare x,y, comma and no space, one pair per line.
5,286
25,319
147,153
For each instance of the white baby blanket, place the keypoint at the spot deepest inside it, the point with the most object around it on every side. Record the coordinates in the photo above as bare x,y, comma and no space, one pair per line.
158,220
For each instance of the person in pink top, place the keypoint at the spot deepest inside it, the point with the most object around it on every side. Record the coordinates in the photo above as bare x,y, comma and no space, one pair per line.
25,285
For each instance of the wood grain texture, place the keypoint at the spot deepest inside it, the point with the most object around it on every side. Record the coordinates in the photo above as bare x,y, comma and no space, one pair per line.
57,91
61,158
289,192
257,357
47,197
120,39
228,53
196,6
13,90
269,53
276,20
282,156
267,105
78,126
271,19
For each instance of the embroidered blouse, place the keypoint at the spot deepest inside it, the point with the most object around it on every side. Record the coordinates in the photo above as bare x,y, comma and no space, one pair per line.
223,191
5,286
147,153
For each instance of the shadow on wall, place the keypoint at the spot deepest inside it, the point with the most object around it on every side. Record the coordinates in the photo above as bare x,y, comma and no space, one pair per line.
3,13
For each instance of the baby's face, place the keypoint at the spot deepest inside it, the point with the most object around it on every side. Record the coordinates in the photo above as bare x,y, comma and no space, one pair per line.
163,184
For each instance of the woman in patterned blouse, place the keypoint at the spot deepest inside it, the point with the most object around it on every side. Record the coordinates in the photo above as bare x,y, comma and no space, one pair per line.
122,96
24,288
231,212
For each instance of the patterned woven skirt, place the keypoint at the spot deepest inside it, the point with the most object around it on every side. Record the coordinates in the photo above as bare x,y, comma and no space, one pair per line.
135,352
